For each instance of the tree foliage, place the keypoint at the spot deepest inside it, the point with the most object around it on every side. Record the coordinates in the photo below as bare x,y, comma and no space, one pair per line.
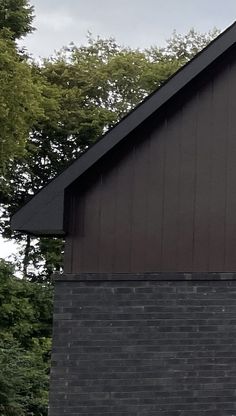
20,102
86,90
20,90
185,47
25,341
16,16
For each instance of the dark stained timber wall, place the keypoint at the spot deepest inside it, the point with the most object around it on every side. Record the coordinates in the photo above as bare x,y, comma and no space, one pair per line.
144,345
169,202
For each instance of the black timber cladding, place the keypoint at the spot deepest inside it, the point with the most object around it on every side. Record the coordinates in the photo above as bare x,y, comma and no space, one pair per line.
44,214
144,345
165,200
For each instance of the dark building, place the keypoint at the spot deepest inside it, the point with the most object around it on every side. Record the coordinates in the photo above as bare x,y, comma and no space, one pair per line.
145,312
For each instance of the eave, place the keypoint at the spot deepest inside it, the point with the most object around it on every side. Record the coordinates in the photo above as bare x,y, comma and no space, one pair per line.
44,213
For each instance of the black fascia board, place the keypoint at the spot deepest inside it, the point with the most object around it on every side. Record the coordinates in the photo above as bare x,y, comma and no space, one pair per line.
44,213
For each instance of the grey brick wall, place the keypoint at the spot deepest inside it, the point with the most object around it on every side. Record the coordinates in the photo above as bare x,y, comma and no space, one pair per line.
143,345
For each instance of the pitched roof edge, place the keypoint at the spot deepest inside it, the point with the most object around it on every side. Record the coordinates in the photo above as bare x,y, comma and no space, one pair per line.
42,215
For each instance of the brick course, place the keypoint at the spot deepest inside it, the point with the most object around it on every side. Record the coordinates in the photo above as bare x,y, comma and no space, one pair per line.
144,345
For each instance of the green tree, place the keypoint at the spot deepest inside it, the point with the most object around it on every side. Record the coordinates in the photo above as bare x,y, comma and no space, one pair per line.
96,85
20,90
185,47
20,102
25,342
16,16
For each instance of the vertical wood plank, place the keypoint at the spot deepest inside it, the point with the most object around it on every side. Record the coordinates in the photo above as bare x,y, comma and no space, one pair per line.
218,132
91,234
171,193
79,236
155,195
187,186
203,181
139,207
107,218
122,213
230,231
71,232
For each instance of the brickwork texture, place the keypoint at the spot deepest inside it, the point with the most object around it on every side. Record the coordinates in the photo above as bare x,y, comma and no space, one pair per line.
144,347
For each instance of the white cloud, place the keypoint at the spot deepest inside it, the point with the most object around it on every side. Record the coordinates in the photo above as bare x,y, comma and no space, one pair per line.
56,21
137,23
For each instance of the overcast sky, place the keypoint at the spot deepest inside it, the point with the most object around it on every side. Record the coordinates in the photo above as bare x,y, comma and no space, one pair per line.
137,23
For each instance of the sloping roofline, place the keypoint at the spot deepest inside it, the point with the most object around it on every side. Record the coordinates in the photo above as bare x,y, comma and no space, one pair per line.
43,214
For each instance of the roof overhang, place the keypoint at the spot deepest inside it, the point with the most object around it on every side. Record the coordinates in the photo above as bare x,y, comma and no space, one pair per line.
44,213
